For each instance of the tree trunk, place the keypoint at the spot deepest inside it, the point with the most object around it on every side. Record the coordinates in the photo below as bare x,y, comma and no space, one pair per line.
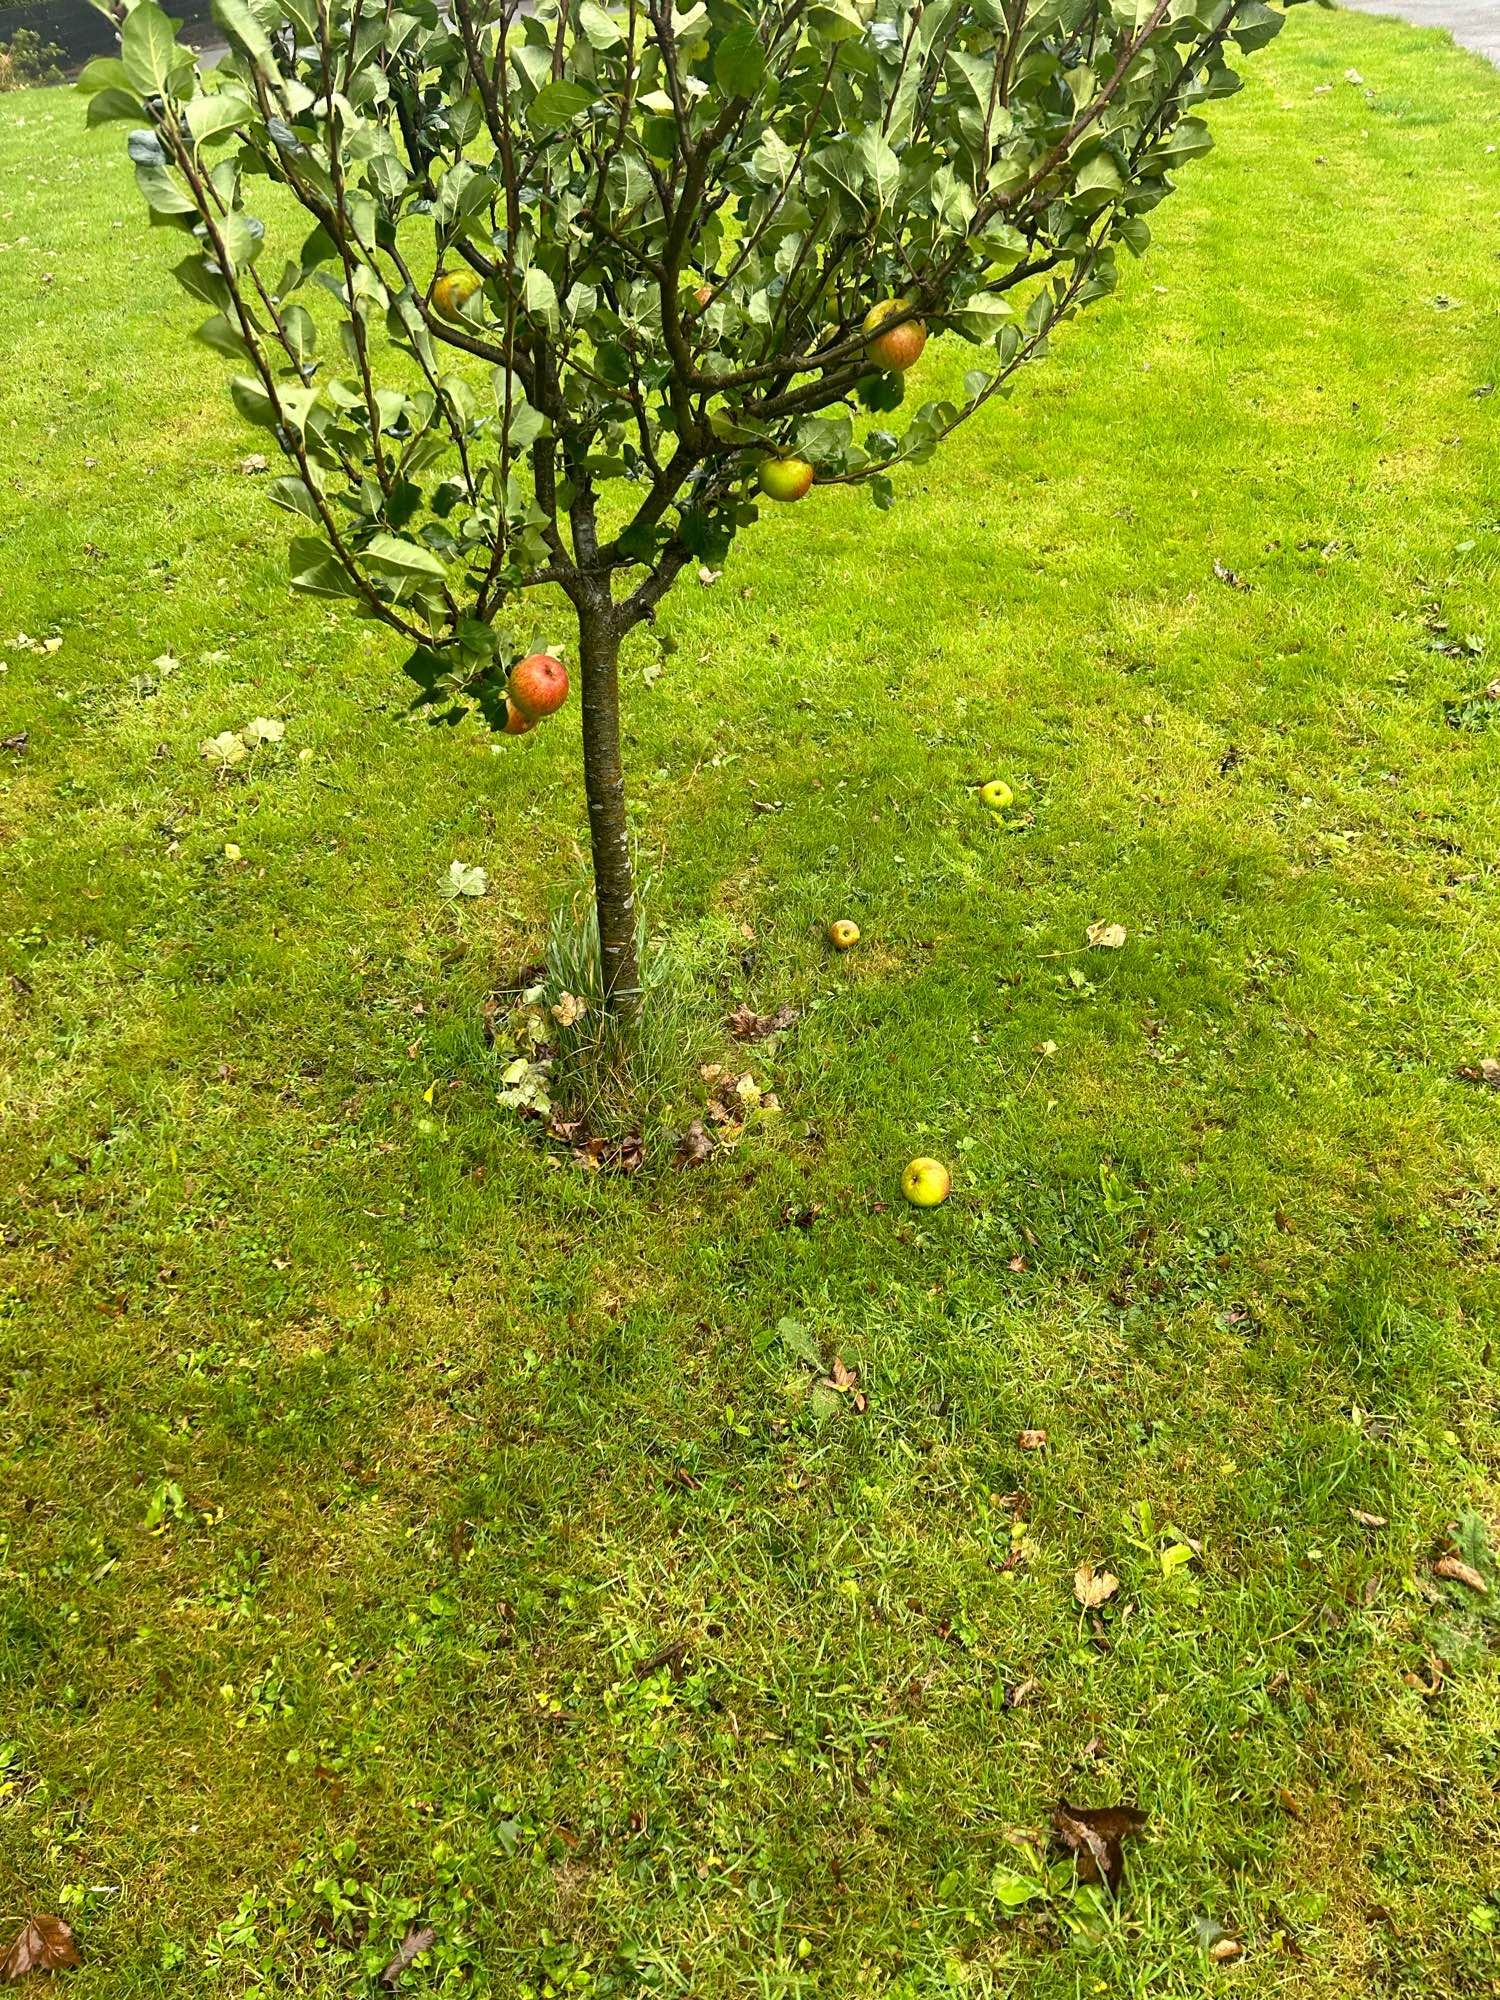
604,782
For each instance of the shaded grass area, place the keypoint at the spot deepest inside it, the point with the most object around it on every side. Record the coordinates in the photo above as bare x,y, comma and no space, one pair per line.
359,1459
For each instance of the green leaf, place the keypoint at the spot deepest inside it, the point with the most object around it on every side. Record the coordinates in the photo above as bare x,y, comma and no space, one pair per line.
882,168
242,237
113,103
401,558
244,28
557,104
212,114
221,336
252,402
314,568
540,296
163,190
291,492
740,62
463,880
103,73
1255,24
602,30
149,52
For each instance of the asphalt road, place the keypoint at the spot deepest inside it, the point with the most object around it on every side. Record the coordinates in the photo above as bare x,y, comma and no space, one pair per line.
1475,23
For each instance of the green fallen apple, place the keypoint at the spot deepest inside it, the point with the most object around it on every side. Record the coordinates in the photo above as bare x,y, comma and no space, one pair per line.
926,1183
785,478
997,795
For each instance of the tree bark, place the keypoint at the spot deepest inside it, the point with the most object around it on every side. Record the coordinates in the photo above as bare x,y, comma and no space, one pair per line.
604,783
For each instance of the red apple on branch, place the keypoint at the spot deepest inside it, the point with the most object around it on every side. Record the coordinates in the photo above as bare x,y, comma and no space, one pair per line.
901,348
538,685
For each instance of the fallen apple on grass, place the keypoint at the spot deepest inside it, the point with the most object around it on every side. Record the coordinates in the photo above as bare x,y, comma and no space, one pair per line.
843,935
538,685
926,1183
785,479
997,795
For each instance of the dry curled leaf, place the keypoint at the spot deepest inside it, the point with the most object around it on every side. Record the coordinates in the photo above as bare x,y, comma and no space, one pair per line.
1107,937
846,1381
418,1941
1365,1520
1021,1693
1226,1951
1032,1440
1486,1070
256,462
1093,1587
612,1156
568,1008
1095,1836
695,1146
42,1944
1433,1684
748,1026
1453,1569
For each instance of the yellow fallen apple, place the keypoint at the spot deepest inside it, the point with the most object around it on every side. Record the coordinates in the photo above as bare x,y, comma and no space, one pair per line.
997,795
843,935
452,293
926,1183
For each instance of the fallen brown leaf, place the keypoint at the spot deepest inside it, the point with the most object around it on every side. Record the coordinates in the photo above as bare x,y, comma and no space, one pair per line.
1106,937
1226,1951
1453,1569
1017,1263
1093,1587
418,1941
1021,1693
1486,1070
1289,1802
1432,1686
748,1026
1367,1520
1032,1440
846,1381
1095,1836
42,1944
612,1156
695,1145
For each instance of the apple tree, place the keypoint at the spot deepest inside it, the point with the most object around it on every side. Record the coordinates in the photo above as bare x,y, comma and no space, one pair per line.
561,289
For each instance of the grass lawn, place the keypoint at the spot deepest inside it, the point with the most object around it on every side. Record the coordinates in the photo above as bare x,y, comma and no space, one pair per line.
396,1519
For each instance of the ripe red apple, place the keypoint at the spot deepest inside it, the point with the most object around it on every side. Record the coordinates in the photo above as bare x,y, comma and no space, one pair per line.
899,349
517,722
538,685
785,478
